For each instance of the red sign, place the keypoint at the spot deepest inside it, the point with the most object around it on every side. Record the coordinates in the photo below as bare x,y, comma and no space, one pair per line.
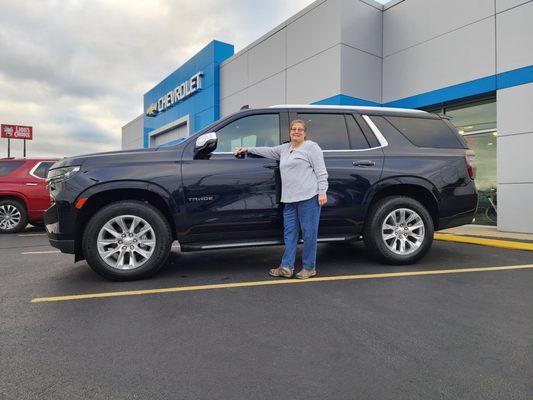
16,132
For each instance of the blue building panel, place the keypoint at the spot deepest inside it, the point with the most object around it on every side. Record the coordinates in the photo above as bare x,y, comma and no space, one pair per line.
202,105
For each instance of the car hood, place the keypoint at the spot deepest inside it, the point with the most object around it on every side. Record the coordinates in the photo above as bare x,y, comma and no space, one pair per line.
109,157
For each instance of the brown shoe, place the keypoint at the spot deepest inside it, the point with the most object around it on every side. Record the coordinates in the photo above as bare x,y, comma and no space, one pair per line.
281,272
306,273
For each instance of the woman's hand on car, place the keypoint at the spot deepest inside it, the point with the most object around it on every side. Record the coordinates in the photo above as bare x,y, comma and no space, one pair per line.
240,150
322,199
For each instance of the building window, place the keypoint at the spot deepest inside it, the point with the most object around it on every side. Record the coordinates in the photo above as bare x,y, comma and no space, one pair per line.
476,121
473,118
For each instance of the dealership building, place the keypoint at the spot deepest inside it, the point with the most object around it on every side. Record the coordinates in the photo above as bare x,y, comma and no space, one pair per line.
470,60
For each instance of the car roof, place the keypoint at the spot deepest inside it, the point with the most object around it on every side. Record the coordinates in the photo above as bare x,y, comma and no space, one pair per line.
361,109
28,159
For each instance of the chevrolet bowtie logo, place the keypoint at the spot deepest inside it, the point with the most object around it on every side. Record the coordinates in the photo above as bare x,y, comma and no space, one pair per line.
151,111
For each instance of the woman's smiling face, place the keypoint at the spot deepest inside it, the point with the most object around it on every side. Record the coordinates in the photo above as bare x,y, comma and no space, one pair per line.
297,132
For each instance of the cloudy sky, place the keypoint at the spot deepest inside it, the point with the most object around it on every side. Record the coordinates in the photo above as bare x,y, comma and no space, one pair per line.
76,70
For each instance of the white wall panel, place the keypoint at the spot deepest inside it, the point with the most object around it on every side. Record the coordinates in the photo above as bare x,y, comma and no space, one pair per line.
459,56
514,207
515,110
232,103
362,26
515,38
502,5
316,78
313,32
515,161
132,134
267,58
415,21
360,74
234,75
267,92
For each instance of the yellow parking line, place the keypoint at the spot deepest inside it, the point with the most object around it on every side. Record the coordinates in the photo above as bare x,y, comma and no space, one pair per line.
506,244
42,252
274,282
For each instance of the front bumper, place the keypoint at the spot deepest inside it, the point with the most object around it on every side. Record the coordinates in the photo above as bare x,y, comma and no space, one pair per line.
60,227
66,246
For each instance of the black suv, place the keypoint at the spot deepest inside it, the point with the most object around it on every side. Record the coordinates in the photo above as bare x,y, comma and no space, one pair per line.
395,176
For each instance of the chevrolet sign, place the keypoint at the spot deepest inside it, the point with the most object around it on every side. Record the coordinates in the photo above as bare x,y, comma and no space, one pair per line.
181,92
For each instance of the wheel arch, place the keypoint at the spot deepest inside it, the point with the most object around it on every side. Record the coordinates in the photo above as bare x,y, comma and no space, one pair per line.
102,195
13,196
419,189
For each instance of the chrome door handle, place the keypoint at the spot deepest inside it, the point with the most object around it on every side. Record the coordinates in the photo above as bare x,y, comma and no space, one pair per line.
270,166
363,163
31,184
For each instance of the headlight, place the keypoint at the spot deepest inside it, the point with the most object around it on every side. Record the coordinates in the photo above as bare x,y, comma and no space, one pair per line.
61,174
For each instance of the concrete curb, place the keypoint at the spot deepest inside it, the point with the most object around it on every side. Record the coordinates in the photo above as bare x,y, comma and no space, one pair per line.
506,244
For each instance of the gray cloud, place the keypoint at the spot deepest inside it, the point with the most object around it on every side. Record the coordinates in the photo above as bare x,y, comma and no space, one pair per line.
77,70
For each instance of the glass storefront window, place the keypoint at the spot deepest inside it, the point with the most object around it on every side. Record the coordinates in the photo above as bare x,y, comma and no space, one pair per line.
477,123
471,118
484,146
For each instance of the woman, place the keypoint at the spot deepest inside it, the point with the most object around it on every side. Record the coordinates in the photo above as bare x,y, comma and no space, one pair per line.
304,182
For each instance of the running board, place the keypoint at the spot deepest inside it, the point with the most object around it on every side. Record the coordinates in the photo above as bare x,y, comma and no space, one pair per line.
259,243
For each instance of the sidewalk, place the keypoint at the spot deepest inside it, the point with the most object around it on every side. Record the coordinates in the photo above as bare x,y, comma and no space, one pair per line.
487,236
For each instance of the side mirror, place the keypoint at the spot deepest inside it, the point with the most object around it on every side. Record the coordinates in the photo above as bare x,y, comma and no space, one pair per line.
205,144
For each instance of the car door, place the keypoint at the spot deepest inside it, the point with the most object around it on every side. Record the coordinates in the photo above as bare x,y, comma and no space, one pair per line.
353,167
229,198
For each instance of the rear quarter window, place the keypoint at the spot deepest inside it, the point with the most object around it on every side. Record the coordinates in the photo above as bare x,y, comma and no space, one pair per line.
424,132
42,169
7,167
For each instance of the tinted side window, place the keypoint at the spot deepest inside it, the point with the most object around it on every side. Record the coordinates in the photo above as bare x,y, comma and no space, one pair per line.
328,130
42,169
357,138
251,131
6,167
424,132
367,131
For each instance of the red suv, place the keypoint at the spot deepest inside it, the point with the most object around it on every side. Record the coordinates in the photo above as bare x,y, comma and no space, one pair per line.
23,194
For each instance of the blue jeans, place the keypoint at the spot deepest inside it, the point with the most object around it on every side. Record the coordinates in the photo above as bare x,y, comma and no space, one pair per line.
304,214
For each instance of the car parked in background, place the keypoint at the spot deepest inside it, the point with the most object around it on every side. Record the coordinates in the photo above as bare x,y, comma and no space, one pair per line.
23,194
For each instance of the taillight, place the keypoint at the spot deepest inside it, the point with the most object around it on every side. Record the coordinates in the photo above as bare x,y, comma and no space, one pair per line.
471,163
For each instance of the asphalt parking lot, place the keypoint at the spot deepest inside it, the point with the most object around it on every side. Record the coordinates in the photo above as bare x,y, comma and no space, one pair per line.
441,334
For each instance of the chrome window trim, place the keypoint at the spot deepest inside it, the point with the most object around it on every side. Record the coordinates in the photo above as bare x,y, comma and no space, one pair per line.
379,136
34,168
351,150
377,132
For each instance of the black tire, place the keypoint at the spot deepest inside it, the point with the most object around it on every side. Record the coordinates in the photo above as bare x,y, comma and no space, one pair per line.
157,221
373,230
7,205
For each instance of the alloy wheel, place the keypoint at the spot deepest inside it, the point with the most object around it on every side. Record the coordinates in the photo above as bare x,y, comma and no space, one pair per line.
10,217
126,242
403,231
